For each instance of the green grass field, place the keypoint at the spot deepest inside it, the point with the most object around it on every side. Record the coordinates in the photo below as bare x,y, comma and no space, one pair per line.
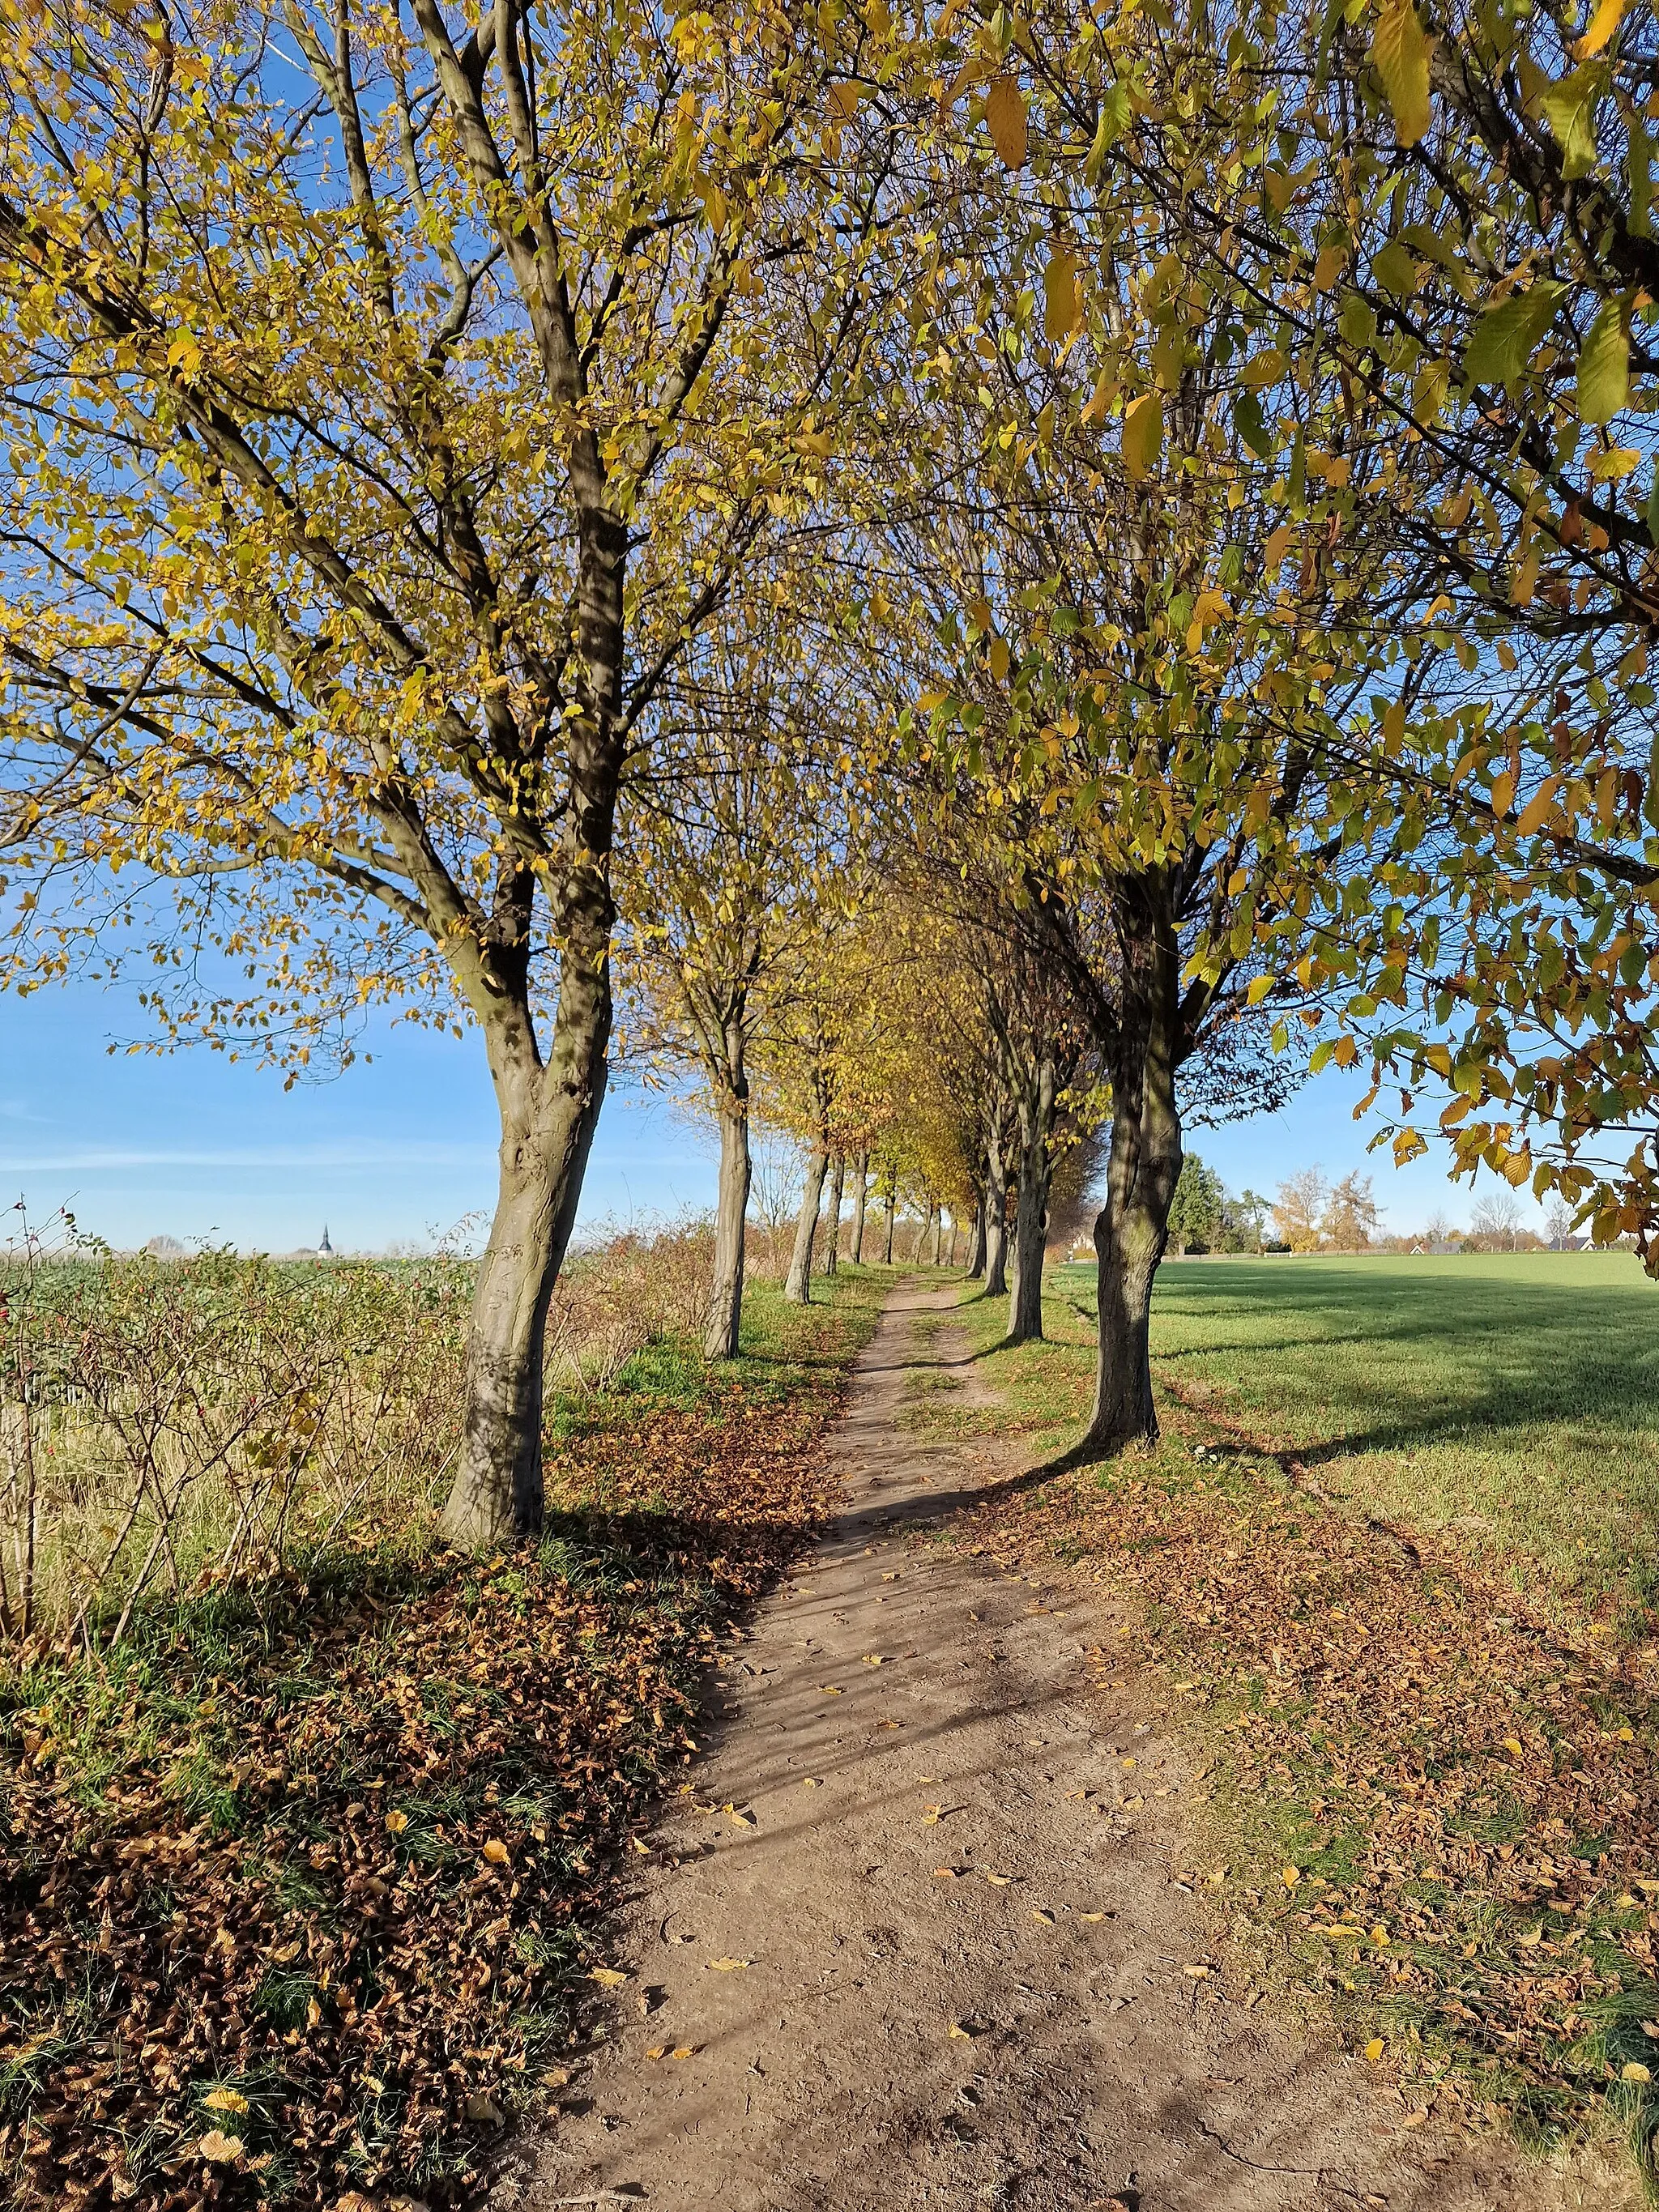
1436,1804
1508,1403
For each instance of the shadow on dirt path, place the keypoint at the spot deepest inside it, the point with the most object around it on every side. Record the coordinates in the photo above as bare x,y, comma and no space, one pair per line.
925,1930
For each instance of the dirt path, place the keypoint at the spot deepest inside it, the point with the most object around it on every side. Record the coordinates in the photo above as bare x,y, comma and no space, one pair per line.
926,1931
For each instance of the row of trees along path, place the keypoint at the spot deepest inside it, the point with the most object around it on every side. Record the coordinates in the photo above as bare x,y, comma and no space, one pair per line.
988,586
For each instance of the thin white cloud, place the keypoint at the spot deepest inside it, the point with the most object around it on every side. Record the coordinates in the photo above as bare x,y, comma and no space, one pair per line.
93,1161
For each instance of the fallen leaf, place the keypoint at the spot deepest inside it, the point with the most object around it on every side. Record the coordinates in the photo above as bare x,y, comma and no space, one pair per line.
945,1873
225,2100
1091,1916
1374,2049
931,1815
396,1822
830,1689
220,2149
1046,1919
657,2051
1000,1880
1290,1876
684,2051
873,1659
606,1976
1414,2119
483,2110
1513,1743
961,2033
496,1851
809,1782
728,1966
1196,1973
1633,2070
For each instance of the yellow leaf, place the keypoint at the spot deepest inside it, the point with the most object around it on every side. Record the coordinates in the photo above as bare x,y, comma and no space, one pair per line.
1374,2049
1502,795
1525,581
1400,54
225,2100
1513,1743
1327,267
396,1822
1290,1876
657,2051
1046,1919
1143,436
219,2147
729,1965
684,2051
1005,118
606,1976
830,1689
998,1880
1506,659
1538,806
959,2033
1059,296
496,1851
1633,2070
1601,26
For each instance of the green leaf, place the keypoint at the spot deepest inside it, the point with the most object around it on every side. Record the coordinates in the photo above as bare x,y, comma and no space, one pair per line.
1251,425
1507,336
1570,110
1604,366
1394,269
1115,115
1400,54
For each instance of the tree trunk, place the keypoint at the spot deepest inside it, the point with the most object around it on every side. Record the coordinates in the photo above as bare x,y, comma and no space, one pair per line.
1133,1227
1032,1206
855,1246
731,1217
996,1227
919,1249
977,1242
837,1192
798,1286
548,1105
935,1234
892,1208
548,1117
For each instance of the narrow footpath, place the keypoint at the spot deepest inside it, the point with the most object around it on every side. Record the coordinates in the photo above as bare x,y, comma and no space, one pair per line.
926,1929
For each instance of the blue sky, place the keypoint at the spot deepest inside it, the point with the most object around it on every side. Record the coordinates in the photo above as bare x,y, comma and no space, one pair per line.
395,1150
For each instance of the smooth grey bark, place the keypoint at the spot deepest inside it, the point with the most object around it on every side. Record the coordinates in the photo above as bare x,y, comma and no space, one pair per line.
725,1325
996,1227
976,1244
1031,1205
855,1243
1131,1230
798,1288
892,1209
837,1192
918,1250
549,1105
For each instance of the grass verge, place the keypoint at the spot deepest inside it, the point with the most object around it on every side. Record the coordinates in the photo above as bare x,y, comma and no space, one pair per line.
1437,1788
302,1888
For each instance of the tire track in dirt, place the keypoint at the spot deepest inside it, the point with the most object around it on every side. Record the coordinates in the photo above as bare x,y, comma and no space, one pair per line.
925,1930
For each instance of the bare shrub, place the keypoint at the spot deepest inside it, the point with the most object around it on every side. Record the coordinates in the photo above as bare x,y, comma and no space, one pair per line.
615,1296
166,1424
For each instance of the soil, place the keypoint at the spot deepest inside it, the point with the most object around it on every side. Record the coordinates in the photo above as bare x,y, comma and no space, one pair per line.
930,1925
